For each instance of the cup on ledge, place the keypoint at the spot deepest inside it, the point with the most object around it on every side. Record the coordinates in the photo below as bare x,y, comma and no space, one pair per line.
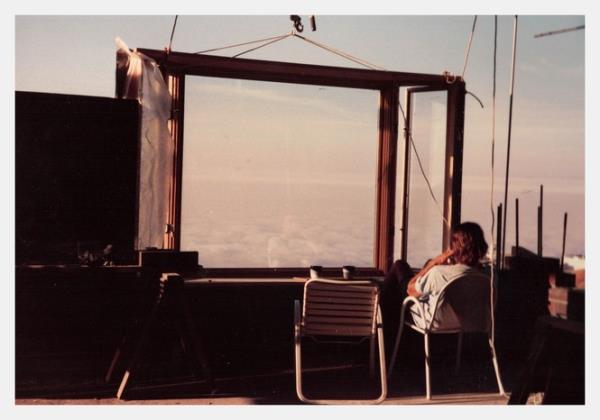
348,272
315,271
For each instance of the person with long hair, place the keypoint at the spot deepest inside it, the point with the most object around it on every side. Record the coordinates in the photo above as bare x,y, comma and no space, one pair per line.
467,249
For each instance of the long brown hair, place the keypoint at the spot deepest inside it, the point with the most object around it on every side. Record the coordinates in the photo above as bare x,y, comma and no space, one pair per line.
468,243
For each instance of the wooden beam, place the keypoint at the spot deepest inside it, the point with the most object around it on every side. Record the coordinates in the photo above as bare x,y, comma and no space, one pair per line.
454,158
386,183
176,84
275,71
406,177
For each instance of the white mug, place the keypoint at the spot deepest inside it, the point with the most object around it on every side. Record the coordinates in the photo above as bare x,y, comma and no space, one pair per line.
348,271
315,271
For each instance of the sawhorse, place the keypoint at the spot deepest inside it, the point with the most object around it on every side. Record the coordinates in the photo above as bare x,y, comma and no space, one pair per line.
170,297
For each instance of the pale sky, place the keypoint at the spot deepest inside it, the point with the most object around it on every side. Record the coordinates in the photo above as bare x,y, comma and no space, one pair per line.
75,54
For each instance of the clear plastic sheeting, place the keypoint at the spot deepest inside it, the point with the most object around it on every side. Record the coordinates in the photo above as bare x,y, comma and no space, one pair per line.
145,83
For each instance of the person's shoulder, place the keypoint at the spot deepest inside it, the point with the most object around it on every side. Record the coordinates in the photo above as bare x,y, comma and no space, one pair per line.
449,269
457,270
467,270
440,271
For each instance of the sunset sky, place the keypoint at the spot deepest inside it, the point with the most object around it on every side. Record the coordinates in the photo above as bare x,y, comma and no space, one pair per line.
75,55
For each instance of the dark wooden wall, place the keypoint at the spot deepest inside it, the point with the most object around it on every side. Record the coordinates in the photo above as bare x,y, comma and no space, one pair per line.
76,169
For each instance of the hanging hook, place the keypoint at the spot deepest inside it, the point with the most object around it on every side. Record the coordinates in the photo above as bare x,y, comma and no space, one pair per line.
297,22
450,77
313,23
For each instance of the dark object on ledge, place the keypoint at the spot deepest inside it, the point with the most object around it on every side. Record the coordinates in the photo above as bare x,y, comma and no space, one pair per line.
564,280
169,260
567,303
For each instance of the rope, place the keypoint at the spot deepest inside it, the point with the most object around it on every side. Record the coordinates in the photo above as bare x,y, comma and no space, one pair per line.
271,40
172,33
244,43
476,98
462,75
493,266
262,45
492,165
340,53
410,138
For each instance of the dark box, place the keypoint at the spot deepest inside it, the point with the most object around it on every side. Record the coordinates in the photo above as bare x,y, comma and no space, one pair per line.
169,260
567,303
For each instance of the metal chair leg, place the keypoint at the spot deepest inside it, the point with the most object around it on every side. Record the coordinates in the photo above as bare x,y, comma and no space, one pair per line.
372,357
458,352
396,346
298,364
298,352
496,368
381,343
427,373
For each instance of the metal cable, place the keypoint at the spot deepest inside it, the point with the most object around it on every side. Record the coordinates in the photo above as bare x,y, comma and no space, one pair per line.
492,165
262,45
414,147
340,53
172,33
244,43
462,76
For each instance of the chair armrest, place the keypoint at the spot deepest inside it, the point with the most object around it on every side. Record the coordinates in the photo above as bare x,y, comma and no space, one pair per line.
411,300
414,301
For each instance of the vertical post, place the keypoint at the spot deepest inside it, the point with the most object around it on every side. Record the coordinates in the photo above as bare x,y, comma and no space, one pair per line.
510,108
517,225
386,185
176,84
562,255
540,221
499,262
406,178
454,158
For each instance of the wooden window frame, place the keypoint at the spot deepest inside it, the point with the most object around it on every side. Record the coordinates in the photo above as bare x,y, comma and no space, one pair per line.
175,66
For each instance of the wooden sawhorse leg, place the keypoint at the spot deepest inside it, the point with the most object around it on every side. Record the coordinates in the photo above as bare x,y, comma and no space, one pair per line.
171,294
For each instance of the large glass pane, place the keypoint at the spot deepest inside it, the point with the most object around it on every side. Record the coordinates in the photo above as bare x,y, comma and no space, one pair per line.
278,175
425,222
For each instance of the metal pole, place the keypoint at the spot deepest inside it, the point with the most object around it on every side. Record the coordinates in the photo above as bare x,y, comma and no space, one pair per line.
517,225
559,31
510,108
562,255
541,223
499,262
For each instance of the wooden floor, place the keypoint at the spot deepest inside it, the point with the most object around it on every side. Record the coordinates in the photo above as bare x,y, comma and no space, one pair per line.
275,389
455,399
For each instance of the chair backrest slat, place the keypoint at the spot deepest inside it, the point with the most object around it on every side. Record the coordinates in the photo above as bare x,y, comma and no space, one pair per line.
338,330
334,311
340,308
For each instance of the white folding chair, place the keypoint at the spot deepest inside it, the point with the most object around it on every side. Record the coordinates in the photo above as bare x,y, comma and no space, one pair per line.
334,308
463,306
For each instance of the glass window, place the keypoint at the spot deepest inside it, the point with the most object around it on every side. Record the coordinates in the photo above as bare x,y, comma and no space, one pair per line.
425,221
278,175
